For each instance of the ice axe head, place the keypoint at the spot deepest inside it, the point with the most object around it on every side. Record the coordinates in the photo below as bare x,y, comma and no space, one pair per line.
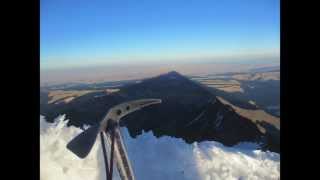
82,144
117,112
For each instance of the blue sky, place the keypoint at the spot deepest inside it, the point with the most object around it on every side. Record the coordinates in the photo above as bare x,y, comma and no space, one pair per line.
80,33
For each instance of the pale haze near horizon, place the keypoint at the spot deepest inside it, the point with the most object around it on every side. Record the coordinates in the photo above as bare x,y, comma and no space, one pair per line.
92,74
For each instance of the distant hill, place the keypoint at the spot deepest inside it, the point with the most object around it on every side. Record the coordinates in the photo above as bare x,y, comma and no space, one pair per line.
266,69
259,87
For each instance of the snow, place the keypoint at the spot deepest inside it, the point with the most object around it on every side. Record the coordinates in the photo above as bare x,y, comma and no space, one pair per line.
154,158
58,163
218,121
196,119
252,102
213,101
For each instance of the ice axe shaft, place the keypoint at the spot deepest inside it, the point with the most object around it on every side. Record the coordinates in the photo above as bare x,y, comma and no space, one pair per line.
105,157
112,156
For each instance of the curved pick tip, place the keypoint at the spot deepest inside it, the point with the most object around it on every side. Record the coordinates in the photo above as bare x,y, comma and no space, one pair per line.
151,101
147,102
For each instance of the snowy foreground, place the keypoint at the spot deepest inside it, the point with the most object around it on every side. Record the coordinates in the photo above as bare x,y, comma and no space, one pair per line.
154,158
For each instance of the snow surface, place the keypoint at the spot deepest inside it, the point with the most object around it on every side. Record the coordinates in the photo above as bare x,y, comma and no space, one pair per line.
154,158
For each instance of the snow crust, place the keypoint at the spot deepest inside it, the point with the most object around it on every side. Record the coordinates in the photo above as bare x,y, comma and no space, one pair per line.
154,158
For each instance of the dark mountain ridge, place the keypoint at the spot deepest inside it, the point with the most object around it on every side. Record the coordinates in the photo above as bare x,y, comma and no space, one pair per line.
188,111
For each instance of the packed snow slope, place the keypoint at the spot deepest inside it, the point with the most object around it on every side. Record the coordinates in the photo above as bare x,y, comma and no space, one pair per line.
154,158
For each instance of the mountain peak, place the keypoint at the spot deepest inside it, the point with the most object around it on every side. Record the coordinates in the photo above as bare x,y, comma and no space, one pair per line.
172,75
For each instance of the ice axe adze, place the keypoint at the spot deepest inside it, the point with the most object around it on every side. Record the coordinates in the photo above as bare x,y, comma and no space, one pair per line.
82,144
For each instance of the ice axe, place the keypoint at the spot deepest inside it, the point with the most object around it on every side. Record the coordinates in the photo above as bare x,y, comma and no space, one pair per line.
82,144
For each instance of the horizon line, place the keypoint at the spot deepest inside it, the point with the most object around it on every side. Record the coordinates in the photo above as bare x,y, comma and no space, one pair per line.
238,57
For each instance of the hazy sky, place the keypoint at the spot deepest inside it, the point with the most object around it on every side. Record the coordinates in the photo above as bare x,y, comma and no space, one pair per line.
92,32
